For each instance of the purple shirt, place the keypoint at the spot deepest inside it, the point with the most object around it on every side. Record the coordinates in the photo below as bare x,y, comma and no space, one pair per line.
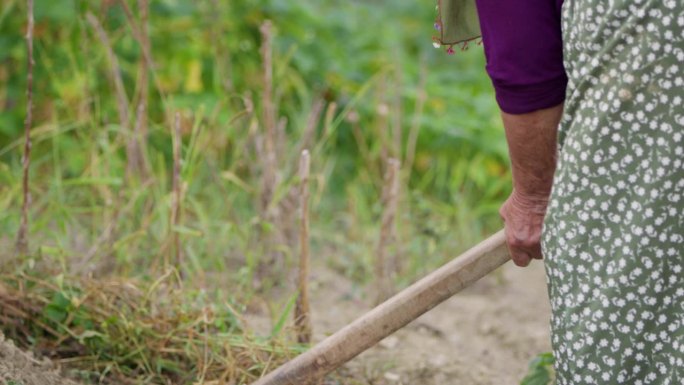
524,51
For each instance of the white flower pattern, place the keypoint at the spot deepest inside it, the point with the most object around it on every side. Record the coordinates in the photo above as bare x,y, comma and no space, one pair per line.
613,236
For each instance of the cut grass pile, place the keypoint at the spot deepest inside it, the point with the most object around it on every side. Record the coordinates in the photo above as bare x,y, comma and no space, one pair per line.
116,330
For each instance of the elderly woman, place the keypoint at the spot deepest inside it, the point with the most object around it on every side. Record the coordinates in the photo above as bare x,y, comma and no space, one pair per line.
592,100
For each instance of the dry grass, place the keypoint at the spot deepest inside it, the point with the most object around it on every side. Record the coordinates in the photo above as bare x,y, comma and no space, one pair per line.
124,331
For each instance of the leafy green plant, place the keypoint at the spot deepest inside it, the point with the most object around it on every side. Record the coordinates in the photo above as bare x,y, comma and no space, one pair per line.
540,370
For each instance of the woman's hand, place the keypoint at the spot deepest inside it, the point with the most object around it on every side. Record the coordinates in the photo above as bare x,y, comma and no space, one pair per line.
524,216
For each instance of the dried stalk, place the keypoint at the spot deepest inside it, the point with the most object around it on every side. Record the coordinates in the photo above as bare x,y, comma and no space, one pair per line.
221,54
417,115
115,70
133,155
269,155
390,194
395,264
267,60
144,10
142,36
382,127
143,82
302,313
311,124
254,137
281,139
270,211
361,143
22,236
329,115
138,142
177,191
140,32
396,118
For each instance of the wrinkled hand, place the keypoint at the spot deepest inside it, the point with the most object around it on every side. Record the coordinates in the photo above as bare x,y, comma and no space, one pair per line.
524,216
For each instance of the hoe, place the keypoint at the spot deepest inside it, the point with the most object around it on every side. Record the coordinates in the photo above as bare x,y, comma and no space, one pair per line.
310,367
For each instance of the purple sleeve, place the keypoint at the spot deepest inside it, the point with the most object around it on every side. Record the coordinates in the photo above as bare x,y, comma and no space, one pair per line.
524,51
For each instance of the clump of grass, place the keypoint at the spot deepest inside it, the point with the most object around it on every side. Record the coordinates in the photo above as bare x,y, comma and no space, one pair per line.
118,330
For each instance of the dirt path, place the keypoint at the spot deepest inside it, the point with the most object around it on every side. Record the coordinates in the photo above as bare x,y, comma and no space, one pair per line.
485,335
20,368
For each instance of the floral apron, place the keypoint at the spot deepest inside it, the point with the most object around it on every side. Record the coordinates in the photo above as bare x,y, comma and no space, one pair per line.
613,236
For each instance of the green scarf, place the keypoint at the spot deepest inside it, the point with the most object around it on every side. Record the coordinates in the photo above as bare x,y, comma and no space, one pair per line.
457,22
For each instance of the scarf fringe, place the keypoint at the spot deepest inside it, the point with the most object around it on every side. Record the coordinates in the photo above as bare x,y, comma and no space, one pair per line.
438,41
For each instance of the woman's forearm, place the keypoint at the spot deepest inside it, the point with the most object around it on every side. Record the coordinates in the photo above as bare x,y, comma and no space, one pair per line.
532,145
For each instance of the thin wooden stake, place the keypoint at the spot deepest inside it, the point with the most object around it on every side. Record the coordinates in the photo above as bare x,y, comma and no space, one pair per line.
271,211
268,121
390,194
302,314
177,190
22,236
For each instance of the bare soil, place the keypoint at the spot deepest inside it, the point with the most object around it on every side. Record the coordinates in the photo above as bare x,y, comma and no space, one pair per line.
484,335
20,368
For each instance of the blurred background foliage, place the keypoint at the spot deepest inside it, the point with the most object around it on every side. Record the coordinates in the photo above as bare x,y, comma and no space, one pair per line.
373,59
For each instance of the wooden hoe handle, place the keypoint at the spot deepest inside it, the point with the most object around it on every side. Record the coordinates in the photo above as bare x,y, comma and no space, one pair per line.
392,314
